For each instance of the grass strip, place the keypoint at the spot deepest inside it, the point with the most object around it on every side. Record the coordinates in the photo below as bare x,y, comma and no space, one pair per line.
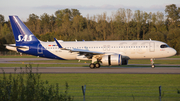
42,65
17,56
116,87
156,62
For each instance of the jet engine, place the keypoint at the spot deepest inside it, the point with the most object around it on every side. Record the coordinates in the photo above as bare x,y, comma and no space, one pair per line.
113,60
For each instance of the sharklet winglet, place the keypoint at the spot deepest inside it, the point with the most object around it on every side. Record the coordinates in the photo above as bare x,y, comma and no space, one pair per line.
58,43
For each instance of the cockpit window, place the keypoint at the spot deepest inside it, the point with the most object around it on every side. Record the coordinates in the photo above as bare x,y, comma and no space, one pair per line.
164,46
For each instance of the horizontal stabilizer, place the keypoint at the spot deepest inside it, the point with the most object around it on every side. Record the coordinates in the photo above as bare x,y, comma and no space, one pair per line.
13,45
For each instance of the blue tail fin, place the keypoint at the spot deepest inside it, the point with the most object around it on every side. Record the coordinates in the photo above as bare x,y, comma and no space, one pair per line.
22,34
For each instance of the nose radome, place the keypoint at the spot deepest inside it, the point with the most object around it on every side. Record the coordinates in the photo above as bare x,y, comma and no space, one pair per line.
175,52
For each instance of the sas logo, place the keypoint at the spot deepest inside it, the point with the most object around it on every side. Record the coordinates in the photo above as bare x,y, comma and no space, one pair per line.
25,38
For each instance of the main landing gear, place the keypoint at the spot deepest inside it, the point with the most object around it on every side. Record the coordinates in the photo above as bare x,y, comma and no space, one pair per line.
152,63
94,65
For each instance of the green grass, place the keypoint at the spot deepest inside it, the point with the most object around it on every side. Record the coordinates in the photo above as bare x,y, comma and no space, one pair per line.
43,65
108,87
155,62
114,79
176,56
100,87
17,56
55,61
113,86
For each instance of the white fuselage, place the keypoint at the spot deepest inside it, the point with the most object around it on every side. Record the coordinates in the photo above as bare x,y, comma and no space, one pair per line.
135,49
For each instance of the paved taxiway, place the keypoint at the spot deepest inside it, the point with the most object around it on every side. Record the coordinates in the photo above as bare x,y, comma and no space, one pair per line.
118,70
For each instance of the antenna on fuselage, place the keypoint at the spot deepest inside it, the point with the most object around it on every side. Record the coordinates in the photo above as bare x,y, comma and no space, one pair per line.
150,39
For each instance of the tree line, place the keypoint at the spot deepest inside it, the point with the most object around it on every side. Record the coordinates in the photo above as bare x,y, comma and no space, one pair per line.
124,24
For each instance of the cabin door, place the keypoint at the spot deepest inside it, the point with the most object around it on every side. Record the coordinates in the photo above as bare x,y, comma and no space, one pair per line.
151,46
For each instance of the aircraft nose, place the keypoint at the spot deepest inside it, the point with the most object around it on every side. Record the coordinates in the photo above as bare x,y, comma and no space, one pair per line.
173,51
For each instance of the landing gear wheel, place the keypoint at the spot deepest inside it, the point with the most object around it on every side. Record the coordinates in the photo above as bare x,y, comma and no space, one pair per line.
97,65
153,66
92,66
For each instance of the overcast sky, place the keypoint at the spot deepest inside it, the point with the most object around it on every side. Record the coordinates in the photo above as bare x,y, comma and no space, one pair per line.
23,8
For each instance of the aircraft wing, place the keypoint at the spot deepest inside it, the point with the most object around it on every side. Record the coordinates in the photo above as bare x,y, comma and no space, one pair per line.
86,51
81,51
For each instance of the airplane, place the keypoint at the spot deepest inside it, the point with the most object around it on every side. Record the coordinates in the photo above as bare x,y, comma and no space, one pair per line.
99,52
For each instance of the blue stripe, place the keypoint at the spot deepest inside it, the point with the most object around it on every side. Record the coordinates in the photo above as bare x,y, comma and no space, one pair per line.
46,53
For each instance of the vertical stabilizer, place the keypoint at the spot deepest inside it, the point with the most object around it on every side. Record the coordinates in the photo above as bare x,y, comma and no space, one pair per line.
22,35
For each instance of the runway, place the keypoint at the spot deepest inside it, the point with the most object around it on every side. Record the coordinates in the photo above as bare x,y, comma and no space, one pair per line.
110,70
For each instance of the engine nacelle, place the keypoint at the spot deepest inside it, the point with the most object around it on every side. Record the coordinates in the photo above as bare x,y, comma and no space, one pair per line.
112,60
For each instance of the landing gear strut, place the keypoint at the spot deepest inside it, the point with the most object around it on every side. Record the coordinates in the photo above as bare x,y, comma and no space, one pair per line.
152,63
96,65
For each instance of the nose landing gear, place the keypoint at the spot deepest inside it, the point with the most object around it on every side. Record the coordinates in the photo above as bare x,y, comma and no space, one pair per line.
152,63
